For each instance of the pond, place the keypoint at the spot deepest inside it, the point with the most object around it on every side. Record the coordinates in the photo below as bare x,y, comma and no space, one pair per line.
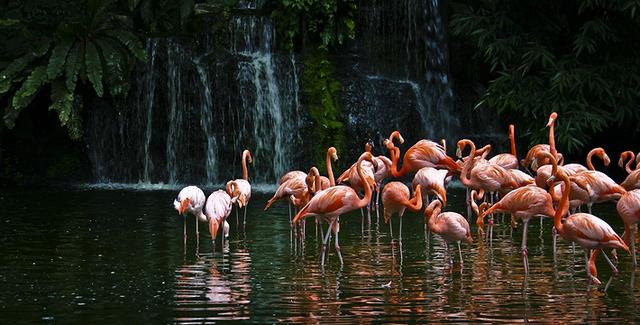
107,256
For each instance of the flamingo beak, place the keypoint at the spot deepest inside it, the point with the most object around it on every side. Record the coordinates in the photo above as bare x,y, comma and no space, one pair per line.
606,159
334,156
458,152
183,206
552,119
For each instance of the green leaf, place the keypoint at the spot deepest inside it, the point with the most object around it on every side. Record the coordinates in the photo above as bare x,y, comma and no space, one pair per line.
130,41
93,65
15,67
29,88
57,59
114,68
72,67
61,101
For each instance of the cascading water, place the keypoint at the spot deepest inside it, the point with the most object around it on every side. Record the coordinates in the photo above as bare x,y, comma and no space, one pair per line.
199,101
197,104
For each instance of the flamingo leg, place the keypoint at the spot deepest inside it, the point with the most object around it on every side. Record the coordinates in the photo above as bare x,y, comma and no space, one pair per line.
325,242
184,229
633,247
525,257
197,231
400,236
614,269
554,234
391,229
468,200
245,213
289,212
237,218
338,247
461,261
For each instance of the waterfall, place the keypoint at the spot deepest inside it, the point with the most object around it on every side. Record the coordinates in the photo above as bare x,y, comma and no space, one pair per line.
197,104
174,87
150,86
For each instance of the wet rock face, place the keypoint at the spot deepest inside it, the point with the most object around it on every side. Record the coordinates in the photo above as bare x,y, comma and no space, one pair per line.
198,101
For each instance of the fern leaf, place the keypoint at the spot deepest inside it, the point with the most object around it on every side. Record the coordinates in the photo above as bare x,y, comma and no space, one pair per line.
114,68
130,41
61,101
93,65
9,73
57,59
72,67
29,88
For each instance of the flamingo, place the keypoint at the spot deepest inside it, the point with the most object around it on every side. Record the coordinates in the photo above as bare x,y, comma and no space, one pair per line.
551,147
424,153
598,185
450,225
433,181
544,172
507,160
240,189
484,177
632,181
329,204
586,230
217,209
191,200
395,199
524,203
629,210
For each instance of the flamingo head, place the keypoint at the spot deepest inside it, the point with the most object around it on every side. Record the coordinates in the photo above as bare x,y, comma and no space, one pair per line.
333,153
552,119
181,206
460,146
394,135
388,144
368,146
247,153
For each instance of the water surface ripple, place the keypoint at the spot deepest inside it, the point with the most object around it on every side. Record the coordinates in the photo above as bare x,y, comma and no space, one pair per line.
105,256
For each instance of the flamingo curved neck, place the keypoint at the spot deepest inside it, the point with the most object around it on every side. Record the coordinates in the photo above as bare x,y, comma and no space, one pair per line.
436,211
395,156
245,172
332,181
598,152
468,165
563,206
415,203
512,139
363,181
623,157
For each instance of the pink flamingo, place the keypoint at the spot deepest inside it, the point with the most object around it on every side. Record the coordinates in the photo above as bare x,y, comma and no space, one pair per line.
433,181
484,177
450,225
507,160
329,204
524,203
424,153
395,199
240,189
632,181
191,200
544,172
551,147
586,230
217,209
598,185
629,210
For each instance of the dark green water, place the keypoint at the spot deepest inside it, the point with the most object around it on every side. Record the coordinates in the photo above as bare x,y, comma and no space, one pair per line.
107,256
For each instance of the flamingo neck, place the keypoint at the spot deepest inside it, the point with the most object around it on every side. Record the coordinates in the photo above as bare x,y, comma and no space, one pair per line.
363,181
435,207
245,172
415,204
623,157
552,140
563,205
468,165
512,139
332,181
395,156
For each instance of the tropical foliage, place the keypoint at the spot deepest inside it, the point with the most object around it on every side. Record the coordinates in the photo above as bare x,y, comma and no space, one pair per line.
579,58
95,49
323,23
320,91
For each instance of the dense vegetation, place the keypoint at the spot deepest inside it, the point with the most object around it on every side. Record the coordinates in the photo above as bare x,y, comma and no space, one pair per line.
579,58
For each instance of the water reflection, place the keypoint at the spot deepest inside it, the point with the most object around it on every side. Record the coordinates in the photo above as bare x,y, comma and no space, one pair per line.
118,255
212,288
